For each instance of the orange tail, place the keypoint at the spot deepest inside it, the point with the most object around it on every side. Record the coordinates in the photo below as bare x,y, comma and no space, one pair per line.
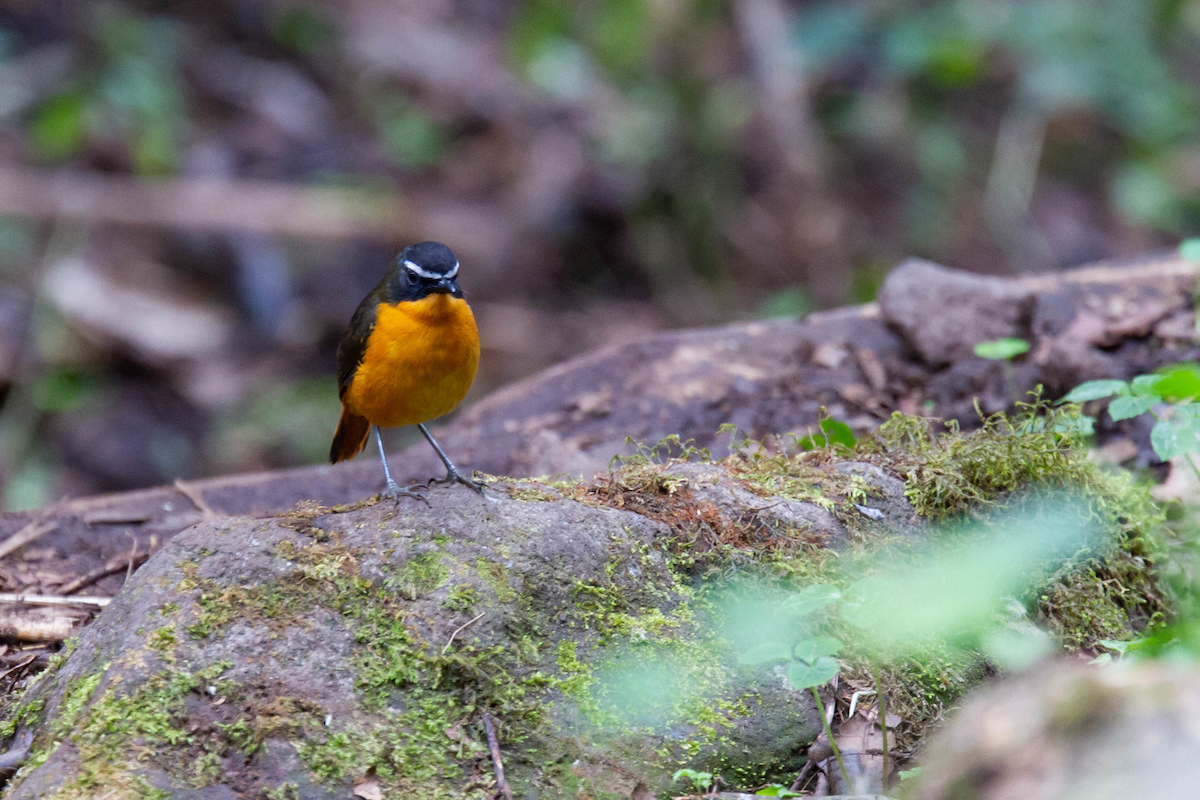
350,437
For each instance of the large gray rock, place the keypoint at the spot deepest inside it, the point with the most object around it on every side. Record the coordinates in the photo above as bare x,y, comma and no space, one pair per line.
302,653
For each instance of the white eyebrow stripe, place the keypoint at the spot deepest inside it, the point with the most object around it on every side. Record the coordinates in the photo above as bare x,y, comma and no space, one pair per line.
453,271
421,272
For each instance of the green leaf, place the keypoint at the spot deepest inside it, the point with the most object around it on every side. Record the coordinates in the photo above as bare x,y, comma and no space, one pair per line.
1165,439
838,432
1179,382
59,126
1176,436
697,778
1127,407
810,599
1096,390
1146,385
833,432
766,651
815,647
1190,249
952,594
1002,349
805,676
777,790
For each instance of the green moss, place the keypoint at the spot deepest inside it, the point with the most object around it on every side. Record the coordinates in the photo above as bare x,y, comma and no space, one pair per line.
163,639
496,579
419,575
118,728
461,598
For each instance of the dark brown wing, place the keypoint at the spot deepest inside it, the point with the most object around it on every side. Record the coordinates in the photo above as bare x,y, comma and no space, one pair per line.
354,343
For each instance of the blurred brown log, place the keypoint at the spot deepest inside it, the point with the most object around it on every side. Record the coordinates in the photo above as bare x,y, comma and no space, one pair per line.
207,204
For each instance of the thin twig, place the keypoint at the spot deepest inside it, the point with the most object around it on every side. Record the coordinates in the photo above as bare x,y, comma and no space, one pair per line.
497,764
111,568
24,663
54,600
459,630
34,530
197,498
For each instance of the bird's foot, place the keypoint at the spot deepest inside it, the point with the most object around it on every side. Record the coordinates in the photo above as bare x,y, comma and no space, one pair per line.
396,491
454,476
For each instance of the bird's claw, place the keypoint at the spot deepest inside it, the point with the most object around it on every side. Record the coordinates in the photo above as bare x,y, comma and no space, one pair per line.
396,491
454,476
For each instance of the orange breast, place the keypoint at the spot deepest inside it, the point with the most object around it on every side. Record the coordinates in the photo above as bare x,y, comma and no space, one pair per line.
419,362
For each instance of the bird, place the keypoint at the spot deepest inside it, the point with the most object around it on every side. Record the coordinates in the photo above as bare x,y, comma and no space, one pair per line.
408,357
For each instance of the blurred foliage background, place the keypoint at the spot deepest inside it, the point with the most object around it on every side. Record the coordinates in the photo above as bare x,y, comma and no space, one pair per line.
194,196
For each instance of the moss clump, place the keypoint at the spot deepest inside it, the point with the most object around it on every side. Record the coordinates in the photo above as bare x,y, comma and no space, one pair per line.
949,474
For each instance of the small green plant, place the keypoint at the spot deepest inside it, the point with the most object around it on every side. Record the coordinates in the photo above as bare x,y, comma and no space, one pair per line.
810,661
700,781
833,433
1177,431
1004,351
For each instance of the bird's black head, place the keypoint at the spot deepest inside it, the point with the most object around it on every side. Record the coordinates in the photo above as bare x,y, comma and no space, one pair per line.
424,269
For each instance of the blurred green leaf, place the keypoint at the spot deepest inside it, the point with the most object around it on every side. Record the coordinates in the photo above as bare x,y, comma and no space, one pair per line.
620,33
306,29
59,127
62,390
696,778
1178,382
1189,249
816,647
1096,390
1129,407
1146,386
810,599
1002,349
1145,195
1176,436
790,302
951,595
1017,649
411,138
765,652
818,673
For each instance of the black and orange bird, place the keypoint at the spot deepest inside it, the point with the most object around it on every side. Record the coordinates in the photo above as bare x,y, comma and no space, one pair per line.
409,357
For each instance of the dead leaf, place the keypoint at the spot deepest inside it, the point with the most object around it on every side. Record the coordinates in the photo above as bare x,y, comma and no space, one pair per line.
872,367
830,354
1180,484
368,788
641,792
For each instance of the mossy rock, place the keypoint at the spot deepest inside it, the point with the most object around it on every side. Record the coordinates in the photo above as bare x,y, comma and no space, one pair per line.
291,657
298,655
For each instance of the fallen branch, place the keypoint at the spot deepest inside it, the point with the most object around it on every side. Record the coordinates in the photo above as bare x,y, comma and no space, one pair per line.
205,204
24,628
497,764
54,600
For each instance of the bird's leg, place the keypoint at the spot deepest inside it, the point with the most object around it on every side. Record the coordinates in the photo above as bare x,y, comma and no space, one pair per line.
452,473
394,490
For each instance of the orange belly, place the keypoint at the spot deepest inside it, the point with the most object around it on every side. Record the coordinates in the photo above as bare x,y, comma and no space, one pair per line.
419,362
